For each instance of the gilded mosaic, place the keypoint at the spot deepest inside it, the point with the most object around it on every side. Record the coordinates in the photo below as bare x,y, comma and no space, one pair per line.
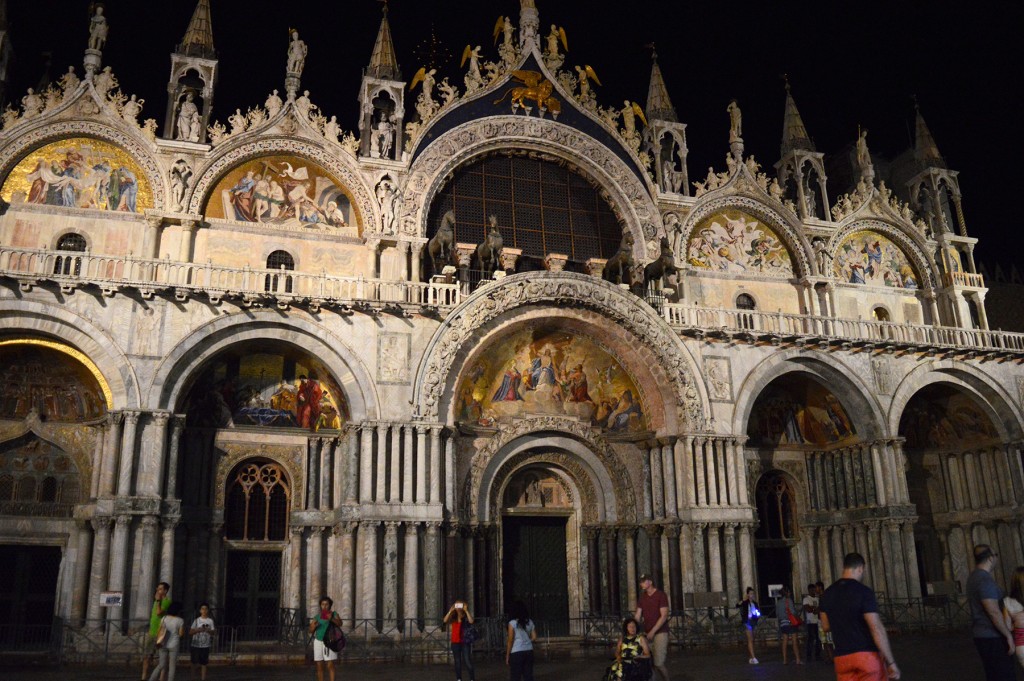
797,411
732,241
870,258
80,172
53,384
941,417
285,192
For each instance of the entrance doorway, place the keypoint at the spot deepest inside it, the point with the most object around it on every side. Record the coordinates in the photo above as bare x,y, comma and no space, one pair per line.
535,569
28,595
253,594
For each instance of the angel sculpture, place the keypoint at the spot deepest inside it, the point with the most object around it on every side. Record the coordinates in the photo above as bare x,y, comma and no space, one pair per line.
557,34
473,78
507,50
630,112
425,104
585,75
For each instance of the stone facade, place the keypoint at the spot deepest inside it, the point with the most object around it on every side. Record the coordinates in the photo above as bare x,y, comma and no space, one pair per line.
791,385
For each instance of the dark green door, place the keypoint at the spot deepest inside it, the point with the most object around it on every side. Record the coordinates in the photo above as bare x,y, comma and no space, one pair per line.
254,594
535,569
28,592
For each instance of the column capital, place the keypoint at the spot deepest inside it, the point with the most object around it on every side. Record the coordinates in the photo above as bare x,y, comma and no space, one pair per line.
101,522
729,529
369,524
296,531
672,531
170,523
653,530
188,225
433,526
391,527
123,520
132,416
115,418
161,418
154,221
148,522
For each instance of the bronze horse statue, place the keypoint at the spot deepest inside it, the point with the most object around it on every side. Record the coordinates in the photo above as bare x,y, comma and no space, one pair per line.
442,244
488,253
664,266
618,269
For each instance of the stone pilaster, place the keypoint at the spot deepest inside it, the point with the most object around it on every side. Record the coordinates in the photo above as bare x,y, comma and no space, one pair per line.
145,583
119,562
98,571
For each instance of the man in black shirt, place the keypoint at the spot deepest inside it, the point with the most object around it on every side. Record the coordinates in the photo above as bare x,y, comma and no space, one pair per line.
850,611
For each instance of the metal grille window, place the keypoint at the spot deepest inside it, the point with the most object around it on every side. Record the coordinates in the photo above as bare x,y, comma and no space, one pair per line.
257,503
69,265
542,207
776,505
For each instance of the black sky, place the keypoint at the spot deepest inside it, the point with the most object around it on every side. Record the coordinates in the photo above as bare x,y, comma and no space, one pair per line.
848,63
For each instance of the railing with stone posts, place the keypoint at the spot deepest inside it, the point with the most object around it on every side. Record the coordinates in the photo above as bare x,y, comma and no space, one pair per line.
815,327
71,269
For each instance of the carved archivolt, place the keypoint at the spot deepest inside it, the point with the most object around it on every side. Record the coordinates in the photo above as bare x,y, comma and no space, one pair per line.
332,162
21,145
457,146
790,233
560,289
921,261
291,458
625,501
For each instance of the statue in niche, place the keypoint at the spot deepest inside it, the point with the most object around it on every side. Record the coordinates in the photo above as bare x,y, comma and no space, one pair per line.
188,118
735,121
98,29
383,136
821,254
387,195
488,253
441,245
181,178
296,55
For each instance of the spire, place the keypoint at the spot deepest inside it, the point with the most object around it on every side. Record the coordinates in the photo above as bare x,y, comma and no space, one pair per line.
198,40
383,63
659,106
794,134
925,149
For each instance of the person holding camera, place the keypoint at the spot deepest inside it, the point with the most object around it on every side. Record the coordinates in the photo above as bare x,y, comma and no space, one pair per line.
201,632
459,618
750,614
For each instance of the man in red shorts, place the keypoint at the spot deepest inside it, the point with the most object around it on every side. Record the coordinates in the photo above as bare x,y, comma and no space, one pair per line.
850,611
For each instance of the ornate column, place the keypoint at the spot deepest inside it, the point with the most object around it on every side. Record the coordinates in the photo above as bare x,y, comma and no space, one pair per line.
675,575
326,468
347,569
368,531
293,558
431,576
408,465
732,586
188,227
592,535
452,564
746,556
435,464
177,426
366,463
974,494
214,550
145,584
654,548
698,468
382,462
167,550
629,534
155,486
898,584
421,464
875,557
391,574
684,471
715,557
699,558
910,561
112,450
648,484
80,592
668,468
314,569
98,569
118,562
410,595
879,474
734,471
721,484
97,459
124,476
395,464
825,568
611,545
352,464
415,260
685,564
900,469
449,473
338,479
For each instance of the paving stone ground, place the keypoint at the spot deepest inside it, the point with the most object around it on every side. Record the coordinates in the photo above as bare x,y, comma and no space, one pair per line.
933,657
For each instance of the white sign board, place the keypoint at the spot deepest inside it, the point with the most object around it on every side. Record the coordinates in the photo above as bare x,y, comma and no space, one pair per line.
774,590
111,599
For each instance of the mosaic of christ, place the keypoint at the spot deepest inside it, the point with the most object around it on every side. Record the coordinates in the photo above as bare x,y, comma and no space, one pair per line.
541,370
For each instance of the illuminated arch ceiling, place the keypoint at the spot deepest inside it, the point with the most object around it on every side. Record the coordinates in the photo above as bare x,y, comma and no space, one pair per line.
59,382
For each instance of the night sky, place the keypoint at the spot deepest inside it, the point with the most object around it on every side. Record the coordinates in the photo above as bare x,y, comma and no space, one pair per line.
859,64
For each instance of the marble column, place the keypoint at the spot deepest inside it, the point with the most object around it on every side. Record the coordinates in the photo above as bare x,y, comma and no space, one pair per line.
898,585
100,431
421,464
449,473
469,562
80,590
879,474
592,536
825,565
366,464
686,565
98,569
111,452
145,585
611,546
900,470
411,596
435,465
127,463
733,472
875,558
395,465
293,574
382,462
408,466
431,574
975,496
721,485
349,565
332,578
699,558
352,464
326,468
715,557
188,228
368,611
118,562
314,572
654,543
173,454
167,550
338,479
668,468
214,557
390,574
647,485
746,557
684,471
732,586
312,473
910,560
698,469
674,584
155,486
631,576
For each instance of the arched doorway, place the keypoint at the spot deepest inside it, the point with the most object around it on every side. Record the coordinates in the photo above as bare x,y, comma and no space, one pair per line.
777,535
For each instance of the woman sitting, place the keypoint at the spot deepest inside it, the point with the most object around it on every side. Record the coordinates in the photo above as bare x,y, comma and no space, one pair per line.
632,656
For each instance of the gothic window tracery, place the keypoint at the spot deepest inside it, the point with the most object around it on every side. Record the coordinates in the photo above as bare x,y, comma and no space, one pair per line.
256,507
776,506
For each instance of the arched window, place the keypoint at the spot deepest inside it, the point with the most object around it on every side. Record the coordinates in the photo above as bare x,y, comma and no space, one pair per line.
275,283
70,265
745,301
6,488
48,490
27,489
256,508
776,507
880,314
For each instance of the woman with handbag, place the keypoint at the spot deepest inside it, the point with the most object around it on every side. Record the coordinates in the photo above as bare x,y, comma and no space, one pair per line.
322,655
790,623
168,641
461,621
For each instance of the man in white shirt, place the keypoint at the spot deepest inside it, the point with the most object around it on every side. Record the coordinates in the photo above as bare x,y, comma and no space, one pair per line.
810,604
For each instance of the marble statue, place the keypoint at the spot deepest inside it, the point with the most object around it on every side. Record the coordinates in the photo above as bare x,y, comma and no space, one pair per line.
387,195
296,55
474,79
52,96
671,179
863,155
554,37
237,122
384,136
273,104
187,113
821,254
735,121
104,82
31,103
69,82
98,29
181,178
303,105
425,104
332,130
131,109
448,92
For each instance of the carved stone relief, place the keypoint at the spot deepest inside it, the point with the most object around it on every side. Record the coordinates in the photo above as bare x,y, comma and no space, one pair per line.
393,357
718,374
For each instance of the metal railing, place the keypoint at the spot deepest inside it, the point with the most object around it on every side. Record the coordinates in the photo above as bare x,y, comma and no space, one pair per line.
111,273
780,324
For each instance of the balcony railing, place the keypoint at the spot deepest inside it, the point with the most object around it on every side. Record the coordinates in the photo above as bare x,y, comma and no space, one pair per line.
965,279
111,273
783,325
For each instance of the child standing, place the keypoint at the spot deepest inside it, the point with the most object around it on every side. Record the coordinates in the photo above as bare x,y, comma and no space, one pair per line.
201,632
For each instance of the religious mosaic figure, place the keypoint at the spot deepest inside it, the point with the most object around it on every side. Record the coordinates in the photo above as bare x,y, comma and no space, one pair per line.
735,242
98,29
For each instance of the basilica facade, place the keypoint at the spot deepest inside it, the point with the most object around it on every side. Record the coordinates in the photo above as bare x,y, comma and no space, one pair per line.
495,343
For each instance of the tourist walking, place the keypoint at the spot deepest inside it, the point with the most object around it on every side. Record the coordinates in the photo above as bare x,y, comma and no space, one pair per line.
1013,608
632,655
992,637
201,632
519,645
161,601
810,606
849,610
789,625
652,610
322,655
168,642
459,619
750,614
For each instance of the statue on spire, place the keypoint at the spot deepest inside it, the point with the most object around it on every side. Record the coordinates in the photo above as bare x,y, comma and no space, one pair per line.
296,54
98,29
867,169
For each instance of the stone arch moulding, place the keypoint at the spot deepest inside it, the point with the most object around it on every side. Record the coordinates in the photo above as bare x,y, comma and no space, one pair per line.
788,231
290,458
47,322
858,399
337,164
911,245
173,375
575,447
451,344
133,145
1003,410
468,141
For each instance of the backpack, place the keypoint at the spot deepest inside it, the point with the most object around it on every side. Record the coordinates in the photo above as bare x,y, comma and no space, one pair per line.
334,638
469,634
